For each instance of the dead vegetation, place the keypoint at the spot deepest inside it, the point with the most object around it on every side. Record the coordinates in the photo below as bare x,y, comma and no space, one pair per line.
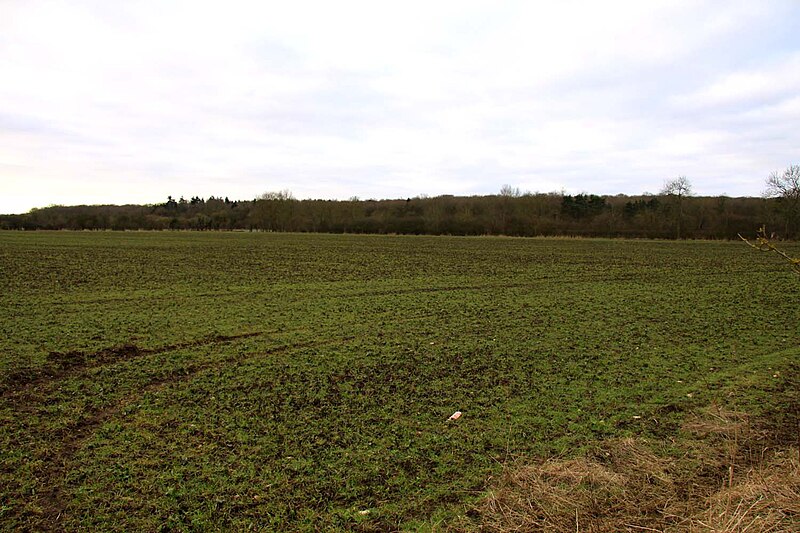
723,474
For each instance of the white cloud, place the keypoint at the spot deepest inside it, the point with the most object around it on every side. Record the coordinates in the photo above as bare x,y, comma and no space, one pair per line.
754,85
383,100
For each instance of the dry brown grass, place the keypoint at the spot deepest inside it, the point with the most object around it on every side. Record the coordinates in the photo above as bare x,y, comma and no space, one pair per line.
765,499
722,475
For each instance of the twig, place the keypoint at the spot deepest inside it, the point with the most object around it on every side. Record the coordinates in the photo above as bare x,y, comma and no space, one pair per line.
763,244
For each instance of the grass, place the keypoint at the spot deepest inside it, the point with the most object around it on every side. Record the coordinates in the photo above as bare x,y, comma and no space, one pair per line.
236,381
724,473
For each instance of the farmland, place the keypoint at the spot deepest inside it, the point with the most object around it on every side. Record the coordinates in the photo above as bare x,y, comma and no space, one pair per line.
175,380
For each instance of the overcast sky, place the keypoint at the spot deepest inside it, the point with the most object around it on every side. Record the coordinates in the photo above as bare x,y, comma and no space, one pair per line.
128,102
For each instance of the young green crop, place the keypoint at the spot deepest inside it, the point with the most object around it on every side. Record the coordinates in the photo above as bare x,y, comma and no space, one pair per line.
234,381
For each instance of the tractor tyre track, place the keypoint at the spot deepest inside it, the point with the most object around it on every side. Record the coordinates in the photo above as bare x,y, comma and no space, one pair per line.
72,438
65,364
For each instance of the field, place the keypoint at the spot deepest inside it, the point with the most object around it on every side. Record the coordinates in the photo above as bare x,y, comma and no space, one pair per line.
257,381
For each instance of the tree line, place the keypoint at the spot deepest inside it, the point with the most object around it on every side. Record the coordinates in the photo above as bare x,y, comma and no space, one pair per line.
673,213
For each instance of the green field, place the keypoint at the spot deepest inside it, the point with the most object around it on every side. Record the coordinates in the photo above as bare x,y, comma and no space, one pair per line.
256,381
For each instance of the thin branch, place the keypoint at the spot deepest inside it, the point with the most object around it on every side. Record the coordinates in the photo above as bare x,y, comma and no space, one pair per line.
763,244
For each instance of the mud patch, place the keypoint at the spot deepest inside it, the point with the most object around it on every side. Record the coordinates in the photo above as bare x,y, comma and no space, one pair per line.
63,364
63,361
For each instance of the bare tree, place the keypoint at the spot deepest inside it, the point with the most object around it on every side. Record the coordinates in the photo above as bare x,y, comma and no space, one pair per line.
785,187
678,188
510,191
283,195
273,210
